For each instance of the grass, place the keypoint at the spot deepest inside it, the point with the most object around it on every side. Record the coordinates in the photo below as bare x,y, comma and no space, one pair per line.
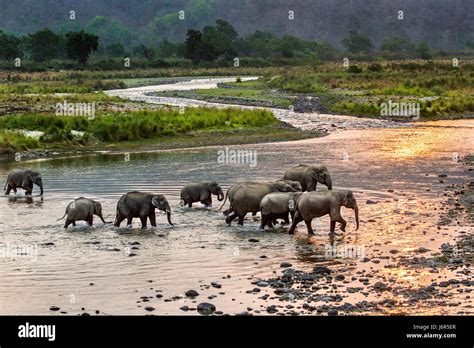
131,126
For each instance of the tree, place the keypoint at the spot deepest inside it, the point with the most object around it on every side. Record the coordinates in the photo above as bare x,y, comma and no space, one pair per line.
10,46
193,43
166,49
395,44
356,43
422,51
145,52
44,45
115,50
80,45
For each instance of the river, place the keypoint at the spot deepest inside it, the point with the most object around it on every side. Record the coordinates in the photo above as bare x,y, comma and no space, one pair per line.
122,271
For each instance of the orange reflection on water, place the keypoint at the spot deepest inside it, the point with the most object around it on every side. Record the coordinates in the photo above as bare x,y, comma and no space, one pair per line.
424,140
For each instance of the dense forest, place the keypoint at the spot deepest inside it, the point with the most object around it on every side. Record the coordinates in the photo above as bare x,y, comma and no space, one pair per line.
443,25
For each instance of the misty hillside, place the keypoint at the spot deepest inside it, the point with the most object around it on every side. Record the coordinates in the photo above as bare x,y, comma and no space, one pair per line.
442,24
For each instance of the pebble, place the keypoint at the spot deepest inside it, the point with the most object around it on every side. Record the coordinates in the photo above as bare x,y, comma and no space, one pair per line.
285,264
149,309
253,240
191,293
206,308
54,308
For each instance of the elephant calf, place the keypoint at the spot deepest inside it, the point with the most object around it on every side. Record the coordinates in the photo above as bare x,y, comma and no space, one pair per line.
201,192
316,204
278,205
23,179
82,209
141,205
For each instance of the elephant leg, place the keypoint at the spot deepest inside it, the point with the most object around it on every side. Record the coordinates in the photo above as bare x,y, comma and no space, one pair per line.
143,219
9,188
226,212
67,223
118,220
264,221
129,220
208,201
270,221
287,219
308,225
90,220
297,219
333,227
241,219
254,213
343,224
152,218
190,204
230,218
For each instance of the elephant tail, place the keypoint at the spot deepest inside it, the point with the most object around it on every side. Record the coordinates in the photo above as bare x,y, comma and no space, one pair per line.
65,213
5,187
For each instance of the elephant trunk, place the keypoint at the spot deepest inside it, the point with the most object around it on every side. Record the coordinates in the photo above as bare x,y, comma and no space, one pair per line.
41,189
329,182
220,195
168,216
356,212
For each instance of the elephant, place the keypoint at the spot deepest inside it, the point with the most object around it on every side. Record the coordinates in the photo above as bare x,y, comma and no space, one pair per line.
142,205
317,204
245,197
201,192
278,205
23,179
309,176
294,184
82,209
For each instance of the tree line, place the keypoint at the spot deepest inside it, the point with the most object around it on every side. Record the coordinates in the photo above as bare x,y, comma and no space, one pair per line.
218,42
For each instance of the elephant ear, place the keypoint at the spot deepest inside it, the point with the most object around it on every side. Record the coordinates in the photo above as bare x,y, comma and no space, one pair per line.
27,180
97,207
155,201
347,197
316,173
204,194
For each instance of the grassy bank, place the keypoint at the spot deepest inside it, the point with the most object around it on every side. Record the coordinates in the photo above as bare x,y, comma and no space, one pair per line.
201,126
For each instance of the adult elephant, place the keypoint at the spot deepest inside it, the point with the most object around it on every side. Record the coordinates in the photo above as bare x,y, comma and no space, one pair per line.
278,205
316,204
82,209
295,185
21,178
141,205
201,192
309,176
245,197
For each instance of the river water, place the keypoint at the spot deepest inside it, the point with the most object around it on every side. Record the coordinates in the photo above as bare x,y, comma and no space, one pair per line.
110,270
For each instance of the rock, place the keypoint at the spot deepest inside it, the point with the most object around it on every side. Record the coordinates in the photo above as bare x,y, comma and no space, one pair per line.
285,264
443,284
191,293
216,285
332,312
289,272
379,286
422,250
206,308
243,314
443,175
253,240
365,259
262,283
149,309
321,270
339,277
369,201
54,308
132,254
393,251
184,308
272,309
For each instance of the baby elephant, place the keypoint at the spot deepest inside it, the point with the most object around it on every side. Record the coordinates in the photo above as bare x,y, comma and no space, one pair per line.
201,192
141,205
319,203
82,209
278,205
23,179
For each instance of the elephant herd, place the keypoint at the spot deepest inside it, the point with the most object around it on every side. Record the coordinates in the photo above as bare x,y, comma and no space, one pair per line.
274,200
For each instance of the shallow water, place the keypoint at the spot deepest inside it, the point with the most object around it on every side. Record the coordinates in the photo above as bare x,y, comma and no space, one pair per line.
92,268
